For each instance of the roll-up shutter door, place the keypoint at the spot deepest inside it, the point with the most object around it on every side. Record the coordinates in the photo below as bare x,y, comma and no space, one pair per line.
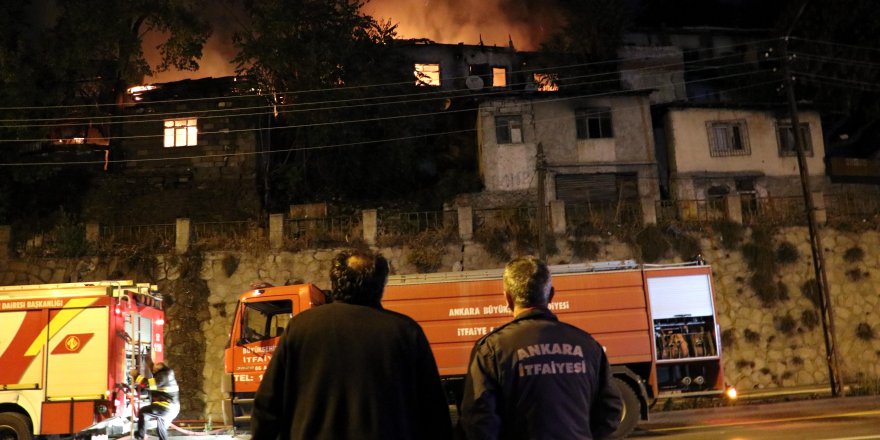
604,187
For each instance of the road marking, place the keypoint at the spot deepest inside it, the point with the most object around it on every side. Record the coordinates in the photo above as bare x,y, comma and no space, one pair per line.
787,419
864,437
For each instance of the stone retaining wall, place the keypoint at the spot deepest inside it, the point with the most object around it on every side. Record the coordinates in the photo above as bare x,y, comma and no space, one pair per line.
759,355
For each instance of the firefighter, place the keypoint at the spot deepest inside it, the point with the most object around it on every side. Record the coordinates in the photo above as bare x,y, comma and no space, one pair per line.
536,377
164,401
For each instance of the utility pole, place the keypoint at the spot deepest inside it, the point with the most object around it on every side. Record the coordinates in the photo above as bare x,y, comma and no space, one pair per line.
541,168
825,309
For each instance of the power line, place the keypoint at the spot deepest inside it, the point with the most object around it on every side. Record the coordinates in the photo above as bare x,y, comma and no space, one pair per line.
323,147
230,113
386,118
837,44
543,69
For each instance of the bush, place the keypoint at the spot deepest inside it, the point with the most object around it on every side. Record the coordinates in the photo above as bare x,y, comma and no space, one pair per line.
686,246
426,250
854,255
731,233
728,338
752,336
785,324
765,288
855,274
865,332
584,249
230,265
787,253
809,319
810,290
652,243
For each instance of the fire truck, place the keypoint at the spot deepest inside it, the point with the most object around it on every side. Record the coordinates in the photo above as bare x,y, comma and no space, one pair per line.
65,353
657,324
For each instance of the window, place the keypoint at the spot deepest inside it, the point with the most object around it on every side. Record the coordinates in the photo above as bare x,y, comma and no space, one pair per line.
785,138
499,77
508,129
593,123
264,320
546,82
728,138
181,133
427,74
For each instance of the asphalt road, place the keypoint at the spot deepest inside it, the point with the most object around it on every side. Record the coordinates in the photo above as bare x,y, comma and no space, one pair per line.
847,418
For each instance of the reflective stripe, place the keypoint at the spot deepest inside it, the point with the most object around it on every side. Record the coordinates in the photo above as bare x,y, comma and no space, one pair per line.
152,383
139,379
168,389
161,403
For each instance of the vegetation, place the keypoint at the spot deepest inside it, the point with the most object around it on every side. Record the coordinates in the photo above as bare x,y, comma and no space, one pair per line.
751,336
787,253
731,233
865,332
809,319
854,255
330,49
785,324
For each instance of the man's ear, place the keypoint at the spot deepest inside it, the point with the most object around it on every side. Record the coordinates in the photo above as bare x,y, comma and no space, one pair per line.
550,296
509,299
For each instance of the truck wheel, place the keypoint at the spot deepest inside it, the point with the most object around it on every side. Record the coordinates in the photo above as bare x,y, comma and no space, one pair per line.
14,426
631,414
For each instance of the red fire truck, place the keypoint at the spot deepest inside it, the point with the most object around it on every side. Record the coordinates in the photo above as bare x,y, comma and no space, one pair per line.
65,352
657,324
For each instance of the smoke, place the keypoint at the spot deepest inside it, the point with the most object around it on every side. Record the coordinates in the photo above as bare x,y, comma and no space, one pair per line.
526,23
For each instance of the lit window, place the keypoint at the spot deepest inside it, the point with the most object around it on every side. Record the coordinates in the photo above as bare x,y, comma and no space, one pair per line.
785,138
499,77
728,138
508,129
181,133
427,74
546,82
593,123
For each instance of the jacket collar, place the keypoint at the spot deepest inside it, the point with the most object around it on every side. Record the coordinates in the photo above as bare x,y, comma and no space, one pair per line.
537,313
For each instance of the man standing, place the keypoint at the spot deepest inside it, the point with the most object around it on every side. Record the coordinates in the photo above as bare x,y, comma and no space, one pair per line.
351,369
536,377
164,398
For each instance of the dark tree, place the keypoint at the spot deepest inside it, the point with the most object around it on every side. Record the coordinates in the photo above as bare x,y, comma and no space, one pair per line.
346,125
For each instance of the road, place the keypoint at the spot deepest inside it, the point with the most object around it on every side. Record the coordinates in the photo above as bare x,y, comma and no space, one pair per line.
850,418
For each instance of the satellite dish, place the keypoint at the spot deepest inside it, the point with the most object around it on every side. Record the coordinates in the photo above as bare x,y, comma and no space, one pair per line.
474,82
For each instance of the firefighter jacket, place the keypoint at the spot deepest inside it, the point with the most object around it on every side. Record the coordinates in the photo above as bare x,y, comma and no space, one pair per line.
162,386
538,378
347,371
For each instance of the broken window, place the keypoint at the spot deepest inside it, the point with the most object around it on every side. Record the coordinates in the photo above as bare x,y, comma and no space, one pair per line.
593,123
427,74
785,138
508,129
499,77
546,82
728,138
181,133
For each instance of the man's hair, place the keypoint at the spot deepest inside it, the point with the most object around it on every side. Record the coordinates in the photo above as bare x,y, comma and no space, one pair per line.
527,280
358,277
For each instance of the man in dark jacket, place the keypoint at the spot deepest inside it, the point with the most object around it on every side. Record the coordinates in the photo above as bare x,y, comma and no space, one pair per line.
164,398
351,369
536,377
